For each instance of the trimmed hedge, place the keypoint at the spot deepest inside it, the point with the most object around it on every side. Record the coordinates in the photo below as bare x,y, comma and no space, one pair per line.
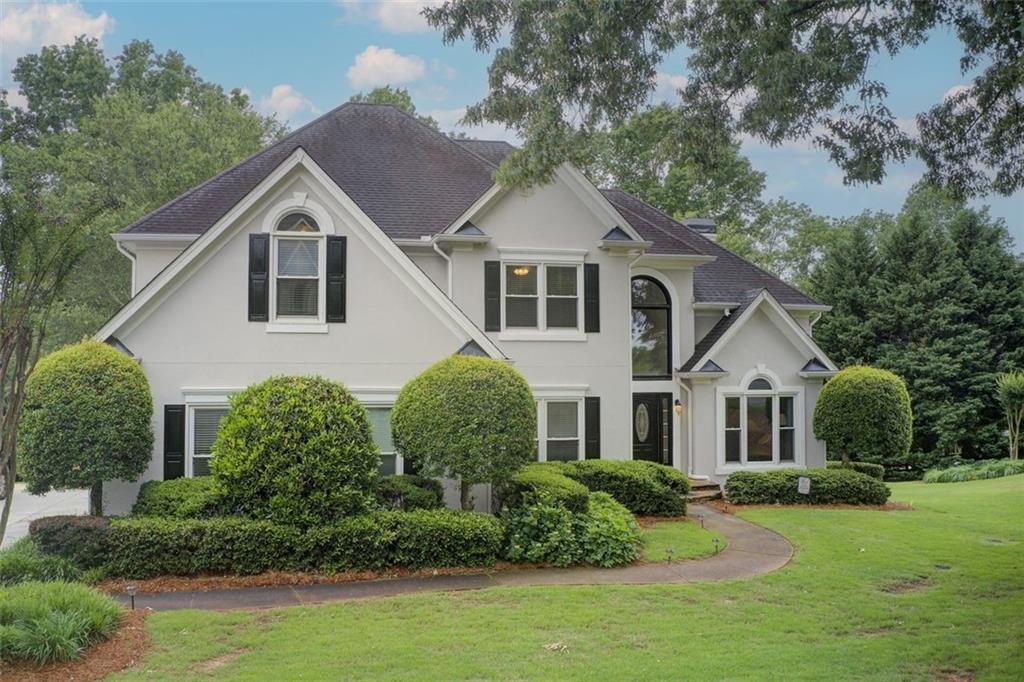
296,450
535,482
976,471
644,488
544,531
146,547
55,621
23,562
406,492
867,468
828,486
80,539
179,498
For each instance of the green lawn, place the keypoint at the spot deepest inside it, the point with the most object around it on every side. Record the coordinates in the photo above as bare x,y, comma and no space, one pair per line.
869,595
685,538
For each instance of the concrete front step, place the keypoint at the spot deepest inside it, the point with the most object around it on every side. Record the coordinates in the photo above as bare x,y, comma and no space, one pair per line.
703,489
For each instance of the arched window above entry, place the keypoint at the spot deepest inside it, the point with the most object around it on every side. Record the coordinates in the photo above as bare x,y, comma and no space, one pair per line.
297,222
760,384
651,329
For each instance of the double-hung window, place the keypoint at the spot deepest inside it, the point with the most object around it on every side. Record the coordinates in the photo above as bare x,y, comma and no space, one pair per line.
559,425
380,424
298,269
204,421
542,296
759,425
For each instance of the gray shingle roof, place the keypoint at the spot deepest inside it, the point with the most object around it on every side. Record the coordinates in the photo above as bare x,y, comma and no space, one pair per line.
409,179
413,181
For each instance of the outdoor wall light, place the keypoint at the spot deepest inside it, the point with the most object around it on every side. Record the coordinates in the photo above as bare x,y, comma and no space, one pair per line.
678,408
132,590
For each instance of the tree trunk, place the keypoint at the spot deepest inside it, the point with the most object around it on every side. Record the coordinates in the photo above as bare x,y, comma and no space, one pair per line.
8,495
466,496
96,499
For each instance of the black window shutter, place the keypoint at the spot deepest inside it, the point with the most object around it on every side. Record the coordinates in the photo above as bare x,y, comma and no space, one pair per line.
174,441
591,297
592,418
492,296
337,249
259,277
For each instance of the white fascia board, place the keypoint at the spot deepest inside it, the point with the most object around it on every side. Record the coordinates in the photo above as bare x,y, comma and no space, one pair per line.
782,319
154,237
620,247
817,375
482,203
701,377
199,251
791,307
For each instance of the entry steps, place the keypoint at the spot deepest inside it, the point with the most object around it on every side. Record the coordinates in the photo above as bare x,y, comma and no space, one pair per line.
702,490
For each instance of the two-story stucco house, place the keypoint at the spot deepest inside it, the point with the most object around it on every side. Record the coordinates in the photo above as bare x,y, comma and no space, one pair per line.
365,246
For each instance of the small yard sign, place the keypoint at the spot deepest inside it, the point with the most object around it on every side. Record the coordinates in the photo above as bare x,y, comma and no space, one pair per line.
803,485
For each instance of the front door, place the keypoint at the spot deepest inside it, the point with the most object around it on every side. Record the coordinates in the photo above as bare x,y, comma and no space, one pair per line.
652,427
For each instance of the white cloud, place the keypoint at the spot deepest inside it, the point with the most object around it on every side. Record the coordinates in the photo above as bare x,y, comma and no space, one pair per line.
26,28
667,85
955,90
448,121
394,16
285,101
16,99
382,66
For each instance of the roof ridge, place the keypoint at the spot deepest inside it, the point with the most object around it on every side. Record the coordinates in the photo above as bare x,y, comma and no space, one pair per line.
258,153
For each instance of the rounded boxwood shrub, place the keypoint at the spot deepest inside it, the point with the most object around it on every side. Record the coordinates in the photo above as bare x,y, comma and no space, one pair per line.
828,486
54,621
545,481
872,470
87,419
295,450
179,498
468,418
863,413
406,492
644,488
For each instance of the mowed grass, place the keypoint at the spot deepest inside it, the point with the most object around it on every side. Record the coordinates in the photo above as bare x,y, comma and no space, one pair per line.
928,594
684,537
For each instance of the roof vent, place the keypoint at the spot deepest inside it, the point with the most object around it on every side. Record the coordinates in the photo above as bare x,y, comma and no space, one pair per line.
702,226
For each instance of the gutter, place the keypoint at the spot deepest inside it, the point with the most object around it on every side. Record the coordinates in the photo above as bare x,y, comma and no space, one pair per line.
448,264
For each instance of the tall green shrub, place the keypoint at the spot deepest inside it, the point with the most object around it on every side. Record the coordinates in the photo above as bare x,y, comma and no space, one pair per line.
469,418
863,413
87,419
295,450
1010,389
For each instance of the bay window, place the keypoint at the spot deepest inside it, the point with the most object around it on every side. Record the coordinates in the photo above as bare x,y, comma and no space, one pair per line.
759,425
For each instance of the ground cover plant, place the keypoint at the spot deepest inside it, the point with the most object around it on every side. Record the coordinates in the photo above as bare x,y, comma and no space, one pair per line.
23,562
974,471
933,593
53,621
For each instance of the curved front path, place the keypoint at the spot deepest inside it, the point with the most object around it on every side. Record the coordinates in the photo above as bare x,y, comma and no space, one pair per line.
750,550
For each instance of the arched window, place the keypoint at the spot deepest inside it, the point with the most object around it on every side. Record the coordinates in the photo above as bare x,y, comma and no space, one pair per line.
298,267
760,424
652,329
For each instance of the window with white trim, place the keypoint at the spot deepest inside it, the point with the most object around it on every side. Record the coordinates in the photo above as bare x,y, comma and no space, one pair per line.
542,296
759,425
298,265
204,422
380,424
559,428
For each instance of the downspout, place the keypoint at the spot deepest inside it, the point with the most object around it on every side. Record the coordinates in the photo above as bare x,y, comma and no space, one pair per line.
448,265
689,428
810,324
130,256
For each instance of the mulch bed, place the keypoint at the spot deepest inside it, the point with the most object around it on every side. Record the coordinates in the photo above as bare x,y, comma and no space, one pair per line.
124,648
722,505
205,583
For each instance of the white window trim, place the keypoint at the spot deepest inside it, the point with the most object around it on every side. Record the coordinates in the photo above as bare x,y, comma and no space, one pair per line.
740,391
542,423
541,259
190,411
377,402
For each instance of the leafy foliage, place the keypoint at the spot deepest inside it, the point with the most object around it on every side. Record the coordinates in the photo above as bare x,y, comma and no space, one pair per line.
776,71
1010,389
80,539
545,531
975,471
828,486
872,470
53,621
295,450
22,562
87,419
863,413
407,492
396,97
469,418
546,481
179,498
644,488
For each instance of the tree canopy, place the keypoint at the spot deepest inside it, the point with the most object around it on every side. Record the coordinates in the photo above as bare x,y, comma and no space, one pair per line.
563,72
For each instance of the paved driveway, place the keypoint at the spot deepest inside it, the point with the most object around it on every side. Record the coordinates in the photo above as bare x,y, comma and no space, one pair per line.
27,507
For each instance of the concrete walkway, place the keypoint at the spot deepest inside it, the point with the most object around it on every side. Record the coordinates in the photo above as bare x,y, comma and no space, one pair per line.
26,507
751,550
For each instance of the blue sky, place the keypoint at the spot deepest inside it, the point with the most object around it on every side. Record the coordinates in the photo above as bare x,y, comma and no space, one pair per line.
301,59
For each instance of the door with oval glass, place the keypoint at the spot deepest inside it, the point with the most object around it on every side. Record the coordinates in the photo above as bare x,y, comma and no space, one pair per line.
652,427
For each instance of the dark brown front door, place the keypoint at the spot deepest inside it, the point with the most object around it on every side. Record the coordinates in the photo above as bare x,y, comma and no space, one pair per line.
652,427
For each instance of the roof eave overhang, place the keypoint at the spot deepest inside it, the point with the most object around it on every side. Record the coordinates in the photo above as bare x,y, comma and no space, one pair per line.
619,246
672,260
791,307
701,376
817,375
